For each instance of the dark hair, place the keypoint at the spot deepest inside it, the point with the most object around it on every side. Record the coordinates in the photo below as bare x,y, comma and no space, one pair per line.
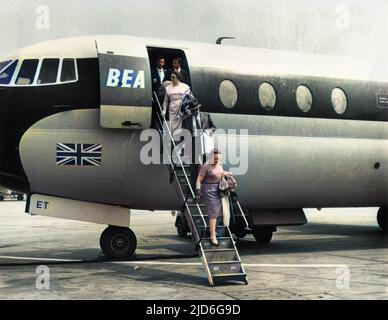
216,151
178,59
178,75
160,58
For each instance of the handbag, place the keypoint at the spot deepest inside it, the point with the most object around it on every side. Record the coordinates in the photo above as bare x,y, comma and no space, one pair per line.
223,185
232,183
225,210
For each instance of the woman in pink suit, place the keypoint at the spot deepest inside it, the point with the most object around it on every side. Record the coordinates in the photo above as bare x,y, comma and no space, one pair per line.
172,101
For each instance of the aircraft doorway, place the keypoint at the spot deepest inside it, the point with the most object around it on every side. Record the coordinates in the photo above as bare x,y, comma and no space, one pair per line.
165,59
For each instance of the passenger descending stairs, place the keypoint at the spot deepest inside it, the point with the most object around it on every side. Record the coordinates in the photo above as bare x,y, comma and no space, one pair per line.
222,263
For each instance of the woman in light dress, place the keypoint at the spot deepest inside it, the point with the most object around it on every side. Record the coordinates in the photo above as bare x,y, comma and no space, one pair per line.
172,101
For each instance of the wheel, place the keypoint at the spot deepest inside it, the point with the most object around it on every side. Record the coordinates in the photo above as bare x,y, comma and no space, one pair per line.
262,234
382,219
181,227
238,230
118,242
1,198
241,234
20,197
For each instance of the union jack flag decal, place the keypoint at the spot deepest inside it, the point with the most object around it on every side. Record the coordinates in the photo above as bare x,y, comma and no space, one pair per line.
72,154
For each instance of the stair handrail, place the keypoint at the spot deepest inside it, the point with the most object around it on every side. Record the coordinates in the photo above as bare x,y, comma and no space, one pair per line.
165,124
242,213
173,144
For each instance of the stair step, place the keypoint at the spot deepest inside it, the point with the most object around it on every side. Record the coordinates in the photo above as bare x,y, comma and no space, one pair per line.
221,231
214,255
183,181
194,208
213,250
195,216
220,278
185,188
224,243
180,173
225,267
198,221
187,167
185,185
191,205
205,216
179,170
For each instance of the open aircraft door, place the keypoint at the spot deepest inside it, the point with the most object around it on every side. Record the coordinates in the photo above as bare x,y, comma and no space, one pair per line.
125,85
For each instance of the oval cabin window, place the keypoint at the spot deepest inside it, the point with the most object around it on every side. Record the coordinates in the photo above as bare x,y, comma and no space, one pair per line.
267,96
304,98
339,100
228,94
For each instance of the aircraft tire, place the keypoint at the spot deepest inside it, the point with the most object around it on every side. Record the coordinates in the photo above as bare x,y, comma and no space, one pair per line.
181,227
382,219
118,242
238,230
1,198
20,197
262,234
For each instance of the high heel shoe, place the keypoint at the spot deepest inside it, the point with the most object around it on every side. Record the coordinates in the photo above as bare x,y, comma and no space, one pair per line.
214,242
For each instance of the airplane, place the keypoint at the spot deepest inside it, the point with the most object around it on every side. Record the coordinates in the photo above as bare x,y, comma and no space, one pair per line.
72,112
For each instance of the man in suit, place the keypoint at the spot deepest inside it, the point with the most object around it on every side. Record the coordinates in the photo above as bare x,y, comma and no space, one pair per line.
177,66
159,74
201,126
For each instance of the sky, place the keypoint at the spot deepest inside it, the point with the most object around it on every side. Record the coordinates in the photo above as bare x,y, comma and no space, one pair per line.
339,27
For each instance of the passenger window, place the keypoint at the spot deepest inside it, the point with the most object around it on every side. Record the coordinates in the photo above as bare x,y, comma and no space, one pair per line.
6,75
68,70
27,72
48,71
228,94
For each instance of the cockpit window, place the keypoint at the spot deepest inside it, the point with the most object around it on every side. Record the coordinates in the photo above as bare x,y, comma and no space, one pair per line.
68,70
27,72
4,64
6,75
48,71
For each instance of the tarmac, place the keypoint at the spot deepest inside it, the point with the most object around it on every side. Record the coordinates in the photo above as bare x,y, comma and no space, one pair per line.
339,254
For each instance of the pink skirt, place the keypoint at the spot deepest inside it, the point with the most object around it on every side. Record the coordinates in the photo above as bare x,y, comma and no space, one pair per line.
212,200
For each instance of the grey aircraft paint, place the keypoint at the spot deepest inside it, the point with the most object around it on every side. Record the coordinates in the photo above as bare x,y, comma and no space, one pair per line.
283,170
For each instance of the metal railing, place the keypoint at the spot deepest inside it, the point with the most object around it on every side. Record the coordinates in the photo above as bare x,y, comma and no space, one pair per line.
164,125
243,214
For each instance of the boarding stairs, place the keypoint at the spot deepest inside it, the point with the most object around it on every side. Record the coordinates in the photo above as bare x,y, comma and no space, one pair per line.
222,263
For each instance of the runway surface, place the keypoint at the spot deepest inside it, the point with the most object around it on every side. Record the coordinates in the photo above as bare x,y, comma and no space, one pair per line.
339,254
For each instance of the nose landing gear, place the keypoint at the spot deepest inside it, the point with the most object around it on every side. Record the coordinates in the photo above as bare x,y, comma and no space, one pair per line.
118,242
